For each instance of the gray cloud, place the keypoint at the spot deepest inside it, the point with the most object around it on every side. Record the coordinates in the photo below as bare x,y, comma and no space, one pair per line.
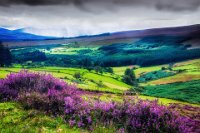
68,20
178,5
86,17
40,2
171,5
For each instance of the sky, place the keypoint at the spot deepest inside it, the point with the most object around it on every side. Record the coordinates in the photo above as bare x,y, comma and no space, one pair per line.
69,18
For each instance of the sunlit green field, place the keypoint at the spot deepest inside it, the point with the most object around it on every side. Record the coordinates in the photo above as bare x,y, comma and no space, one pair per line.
187,91
190,71
107,82
89,80
119,98
67,51
14,119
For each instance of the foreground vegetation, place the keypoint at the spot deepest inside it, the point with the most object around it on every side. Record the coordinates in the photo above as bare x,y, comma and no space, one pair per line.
14,118
57,98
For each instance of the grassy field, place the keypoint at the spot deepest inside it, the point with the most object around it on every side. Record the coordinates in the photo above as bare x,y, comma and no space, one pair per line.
119,98
181,86
190,71
106,82
67,51
14,119
89,80
187,91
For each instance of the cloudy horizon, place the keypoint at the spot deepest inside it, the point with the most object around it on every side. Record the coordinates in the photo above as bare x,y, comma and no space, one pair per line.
68,18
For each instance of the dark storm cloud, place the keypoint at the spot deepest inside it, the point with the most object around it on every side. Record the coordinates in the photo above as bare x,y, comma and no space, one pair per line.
88,17
40,2
173,5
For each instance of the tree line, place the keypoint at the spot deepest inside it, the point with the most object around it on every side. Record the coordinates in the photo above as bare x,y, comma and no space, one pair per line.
5,56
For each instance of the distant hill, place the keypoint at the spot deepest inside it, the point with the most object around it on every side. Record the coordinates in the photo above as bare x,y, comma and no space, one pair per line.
189,34
18,35
169,31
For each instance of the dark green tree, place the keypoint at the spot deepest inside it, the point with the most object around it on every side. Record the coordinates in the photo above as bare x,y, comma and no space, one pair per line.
98,69
5,56
100,83
129,77
108,69
77,75
86,62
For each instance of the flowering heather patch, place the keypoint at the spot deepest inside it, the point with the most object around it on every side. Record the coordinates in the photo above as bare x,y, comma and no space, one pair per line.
142,116
26,82
36,90
191,112
78,112
52,95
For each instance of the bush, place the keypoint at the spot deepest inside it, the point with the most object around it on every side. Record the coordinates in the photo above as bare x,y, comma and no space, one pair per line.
77,75
109,70
142,116
155,75
35,90
129,77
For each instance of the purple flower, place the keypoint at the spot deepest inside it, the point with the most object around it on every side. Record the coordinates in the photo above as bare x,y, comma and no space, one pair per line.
89,119
80,124
72,122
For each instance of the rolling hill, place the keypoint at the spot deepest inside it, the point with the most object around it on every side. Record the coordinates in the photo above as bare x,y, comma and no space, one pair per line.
18,35
189,34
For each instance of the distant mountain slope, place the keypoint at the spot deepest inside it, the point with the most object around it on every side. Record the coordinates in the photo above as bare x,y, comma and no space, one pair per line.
172,31
189,34
18,35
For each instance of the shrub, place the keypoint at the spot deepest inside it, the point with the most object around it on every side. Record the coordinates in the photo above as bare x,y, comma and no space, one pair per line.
98,69
51,102
109,70
145,116
155,75
100,83
77,75
191,112
36,90
141,116
129,77
78,112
